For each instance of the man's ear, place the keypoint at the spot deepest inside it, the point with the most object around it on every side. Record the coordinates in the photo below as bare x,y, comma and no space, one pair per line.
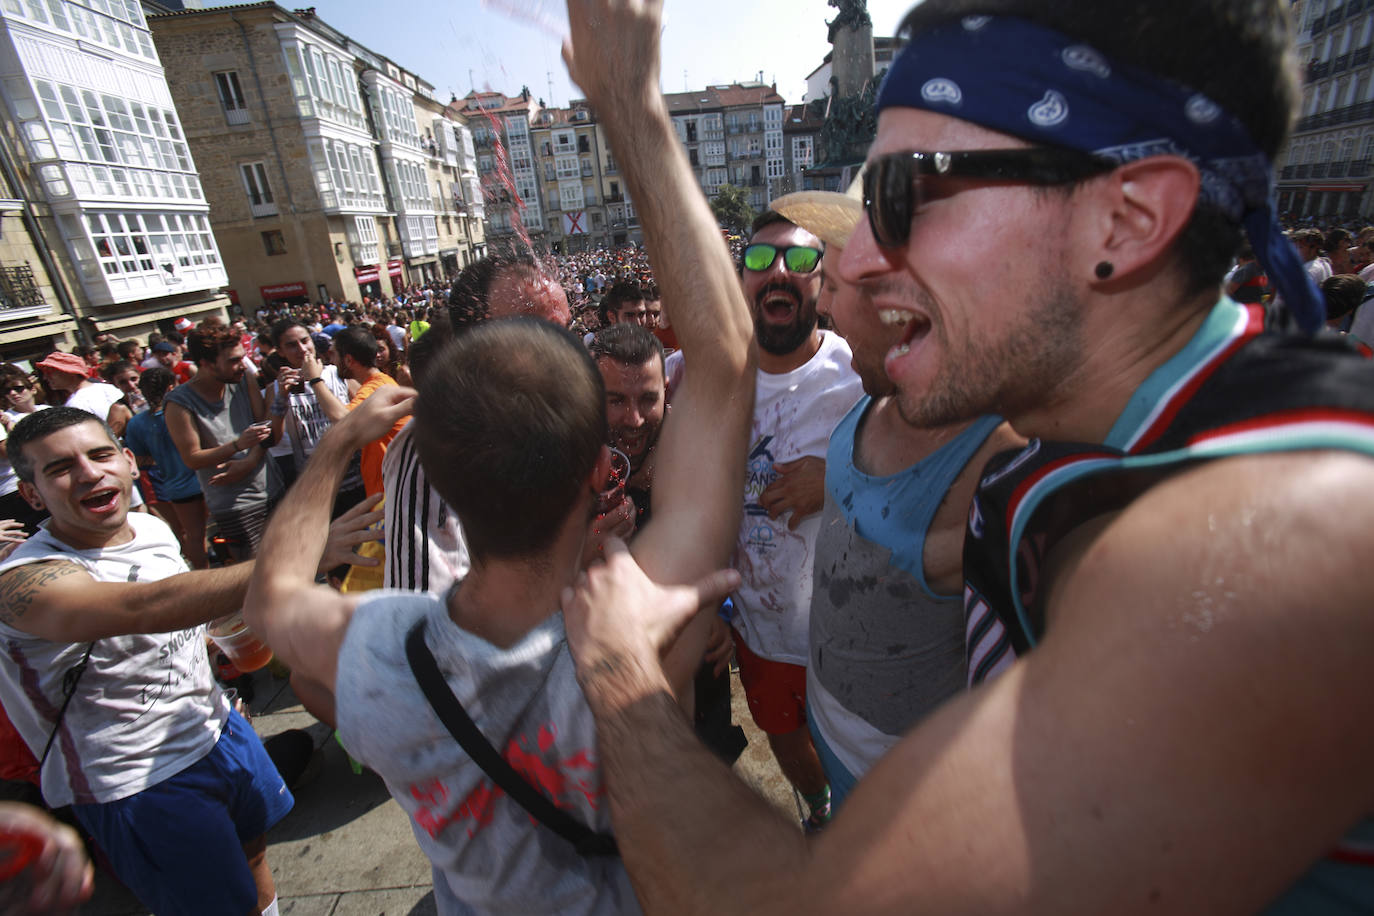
1147,204
30,494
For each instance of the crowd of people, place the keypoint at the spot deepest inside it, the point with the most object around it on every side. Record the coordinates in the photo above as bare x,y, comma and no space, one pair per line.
1025,497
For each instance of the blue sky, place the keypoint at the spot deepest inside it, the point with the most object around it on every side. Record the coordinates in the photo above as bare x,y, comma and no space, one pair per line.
504,44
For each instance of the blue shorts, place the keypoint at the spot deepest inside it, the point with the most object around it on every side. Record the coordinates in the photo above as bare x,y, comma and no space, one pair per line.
178,845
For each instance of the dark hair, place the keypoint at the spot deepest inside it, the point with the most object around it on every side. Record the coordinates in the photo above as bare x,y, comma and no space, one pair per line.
767,218
207,341
628,344
155,382
39,425
510,420
471,290
128,349
1337,238
109,372
11,374
383,337
357,343
280,328
650,293
1177,40
1343,294
617,296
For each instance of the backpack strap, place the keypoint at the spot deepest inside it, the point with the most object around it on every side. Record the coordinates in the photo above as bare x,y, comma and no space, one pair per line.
459,724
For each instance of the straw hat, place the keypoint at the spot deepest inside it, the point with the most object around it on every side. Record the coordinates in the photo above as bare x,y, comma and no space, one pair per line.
828,215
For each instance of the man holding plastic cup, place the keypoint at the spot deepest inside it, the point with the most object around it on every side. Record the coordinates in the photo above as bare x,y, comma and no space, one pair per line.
105,676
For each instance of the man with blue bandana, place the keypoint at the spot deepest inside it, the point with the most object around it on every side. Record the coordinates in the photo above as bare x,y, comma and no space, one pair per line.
1169,657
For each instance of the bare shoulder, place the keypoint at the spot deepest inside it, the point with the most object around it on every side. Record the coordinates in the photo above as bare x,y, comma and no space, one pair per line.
1265,549
22,588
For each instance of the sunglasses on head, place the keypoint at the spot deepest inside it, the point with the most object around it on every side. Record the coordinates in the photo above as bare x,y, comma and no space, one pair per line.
799,259
892,183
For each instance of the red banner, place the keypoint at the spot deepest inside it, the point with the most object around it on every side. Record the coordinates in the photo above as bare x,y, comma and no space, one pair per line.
366,274
283,291
393,267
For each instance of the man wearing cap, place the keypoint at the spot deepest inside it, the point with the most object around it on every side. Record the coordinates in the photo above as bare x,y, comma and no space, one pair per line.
66,372
1169,652
887,617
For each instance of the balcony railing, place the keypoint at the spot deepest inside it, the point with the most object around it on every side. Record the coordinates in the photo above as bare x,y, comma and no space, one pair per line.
266,208
1336,116
236,115
18,289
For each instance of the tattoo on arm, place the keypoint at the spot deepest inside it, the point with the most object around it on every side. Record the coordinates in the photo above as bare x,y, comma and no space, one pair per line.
21,586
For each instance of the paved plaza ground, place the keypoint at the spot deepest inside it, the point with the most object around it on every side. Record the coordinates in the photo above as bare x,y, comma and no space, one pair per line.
347,850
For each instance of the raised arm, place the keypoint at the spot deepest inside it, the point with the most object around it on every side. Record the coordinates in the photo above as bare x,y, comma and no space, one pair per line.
700,461
305,623
333,408
698,482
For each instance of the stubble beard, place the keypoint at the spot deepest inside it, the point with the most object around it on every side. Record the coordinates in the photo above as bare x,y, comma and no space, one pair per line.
1008,375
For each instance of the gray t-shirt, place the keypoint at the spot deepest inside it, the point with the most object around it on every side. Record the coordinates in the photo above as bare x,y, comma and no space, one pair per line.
487,853
220,422
147,706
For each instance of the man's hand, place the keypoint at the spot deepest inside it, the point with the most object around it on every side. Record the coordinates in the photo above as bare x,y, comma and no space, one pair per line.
12,534
349,530
617,523
59,877
612,51
616,612
311,367
232,472
374,417
719,645
288,379
252,435
799,489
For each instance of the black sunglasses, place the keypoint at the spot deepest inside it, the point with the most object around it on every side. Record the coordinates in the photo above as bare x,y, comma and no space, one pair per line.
15,389
892,183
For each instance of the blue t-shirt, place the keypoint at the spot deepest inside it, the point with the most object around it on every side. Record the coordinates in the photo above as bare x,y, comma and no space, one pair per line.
147,436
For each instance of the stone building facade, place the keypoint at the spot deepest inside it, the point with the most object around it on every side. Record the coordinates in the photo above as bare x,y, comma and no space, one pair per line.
317,168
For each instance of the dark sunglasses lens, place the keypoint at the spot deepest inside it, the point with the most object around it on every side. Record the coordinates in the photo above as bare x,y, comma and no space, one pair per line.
890,189
802,260
759,257
16,389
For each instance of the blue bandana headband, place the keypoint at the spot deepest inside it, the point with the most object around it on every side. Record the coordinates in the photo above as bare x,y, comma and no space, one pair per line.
1031,82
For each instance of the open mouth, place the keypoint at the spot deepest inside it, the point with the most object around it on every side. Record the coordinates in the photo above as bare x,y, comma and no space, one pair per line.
102,502
779,307
913,327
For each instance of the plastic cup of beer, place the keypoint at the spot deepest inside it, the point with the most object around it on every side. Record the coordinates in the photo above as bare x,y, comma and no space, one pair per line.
613,494
242,645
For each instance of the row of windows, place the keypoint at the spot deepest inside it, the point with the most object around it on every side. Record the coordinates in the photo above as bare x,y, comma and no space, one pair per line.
397,114
161,244
421,236
117,24
106,128
1326,151
346,174
411,184
324,85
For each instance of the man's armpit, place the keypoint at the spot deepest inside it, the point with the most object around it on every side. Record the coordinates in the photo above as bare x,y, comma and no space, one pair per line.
21,587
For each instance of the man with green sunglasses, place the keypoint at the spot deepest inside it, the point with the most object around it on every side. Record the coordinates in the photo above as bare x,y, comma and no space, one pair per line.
805,386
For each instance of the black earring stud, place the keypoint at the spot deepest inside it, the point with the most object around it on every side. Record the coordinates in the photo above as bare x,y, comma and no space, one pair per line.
1104,269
